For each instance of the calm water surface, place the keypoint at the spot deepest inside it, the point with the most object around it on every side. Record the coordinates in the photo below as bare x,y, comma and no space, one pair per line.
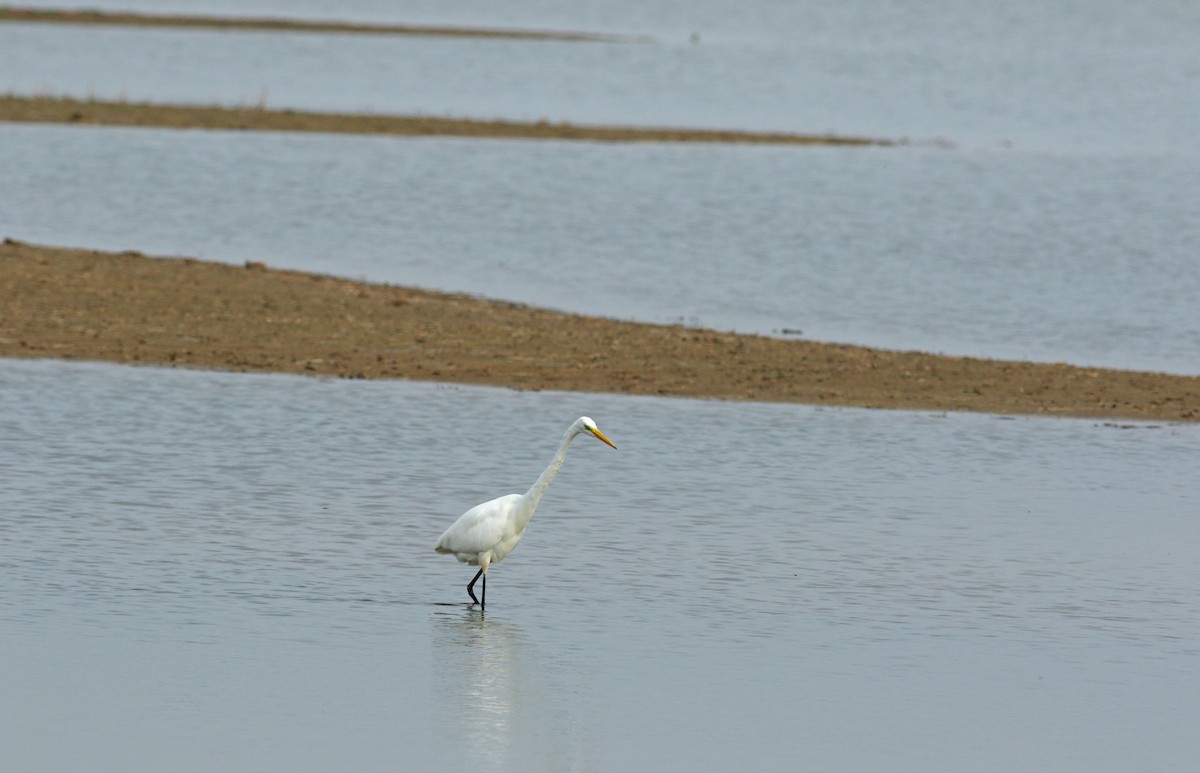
204,571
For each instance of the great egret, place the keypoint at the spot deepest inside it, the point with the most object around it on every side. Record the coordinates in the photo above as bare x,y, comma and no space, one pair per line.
487,533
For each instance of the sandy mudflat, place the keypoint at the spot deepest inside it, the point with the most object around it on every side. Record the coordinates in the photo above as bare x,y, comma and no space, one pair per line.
134,19
130,308
105,113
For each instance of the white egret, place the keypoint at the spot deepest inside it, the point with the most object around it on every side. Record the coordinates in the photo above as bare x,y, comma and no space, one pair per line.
487,533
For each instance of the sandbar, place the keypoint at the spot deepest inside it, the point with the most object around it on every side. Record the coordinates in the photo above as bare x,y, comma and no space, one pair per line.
131,308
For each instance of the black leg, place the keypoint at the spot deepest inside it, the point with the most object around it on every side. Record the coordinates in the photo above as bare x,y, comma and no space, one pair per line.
471,588
483,603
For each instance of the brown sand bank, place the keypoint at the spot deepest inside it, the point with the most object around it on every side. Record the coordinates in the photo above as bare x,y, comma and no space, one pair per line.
131,19
129,308
105,113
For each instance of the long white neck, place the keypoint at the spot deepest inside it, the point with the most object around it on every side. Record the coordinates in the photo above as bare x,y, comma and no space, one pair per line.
534,495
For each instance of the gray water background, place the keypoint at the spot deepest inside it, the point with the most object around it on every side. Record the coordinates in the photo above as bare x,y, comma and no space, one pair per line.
993,253
1063,226
219,571
1099,75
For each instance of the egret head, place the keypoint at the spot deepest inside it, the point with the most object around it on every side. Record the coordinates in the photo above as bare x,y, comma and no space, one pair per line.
586,424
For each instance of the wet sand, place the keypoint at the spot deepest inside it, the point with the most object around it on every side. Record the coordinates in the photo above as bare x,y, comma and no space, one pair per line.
131,308
18,109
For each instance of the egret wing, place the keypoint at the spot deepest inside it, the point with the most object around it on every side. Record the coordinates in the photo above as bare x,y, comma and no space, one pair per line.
480,528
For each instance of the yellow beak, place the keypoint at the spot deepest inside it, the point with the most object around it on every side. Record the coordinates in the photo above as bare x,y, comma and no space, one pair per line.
600,435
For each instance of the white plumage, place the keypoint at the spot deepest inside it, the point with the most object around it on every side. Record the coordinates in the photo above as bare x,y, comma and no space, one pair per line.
488,532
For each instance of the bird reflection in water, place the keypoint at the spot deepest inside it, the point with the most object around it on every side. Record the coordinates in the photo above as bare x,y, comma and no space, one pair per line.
500,705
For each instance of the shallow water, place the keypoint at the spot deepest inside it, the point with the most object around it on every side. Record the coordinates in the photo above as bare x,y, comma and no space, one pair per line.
1088,259
229,571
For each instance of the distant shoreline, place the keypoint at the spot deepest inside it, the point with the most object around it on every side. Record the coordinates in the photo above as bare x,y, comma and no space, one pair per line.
129,308
67,110
267,24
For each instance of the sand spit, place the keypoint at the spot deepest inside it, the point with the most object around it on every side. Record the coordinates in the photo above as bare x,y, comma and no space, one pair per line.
18,109
133,19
